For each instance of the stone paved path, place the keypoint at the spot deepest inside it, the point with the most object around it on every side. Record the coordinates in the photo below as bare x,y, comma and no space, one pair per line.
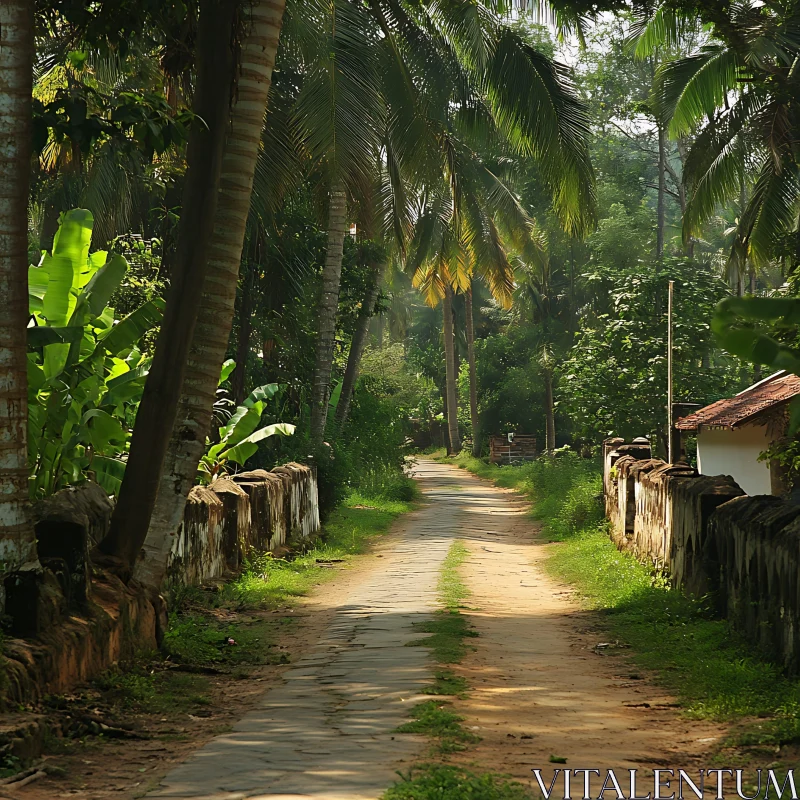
327,732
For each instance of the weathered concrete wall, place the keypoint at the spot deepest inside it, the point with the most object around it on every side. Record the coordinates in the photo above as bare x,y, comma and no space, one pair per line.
754,567
711,538
69,625
236,516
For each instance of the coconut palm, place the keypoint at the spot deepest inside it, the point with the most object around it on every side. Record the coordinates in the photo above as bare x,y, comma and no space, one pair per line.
433,57
17,541
463,233
160,401
737,95
210,340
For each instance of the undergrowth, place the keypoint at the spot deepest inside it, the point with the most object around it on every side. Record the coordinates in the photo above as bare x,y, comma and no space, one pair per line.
714,672
446,782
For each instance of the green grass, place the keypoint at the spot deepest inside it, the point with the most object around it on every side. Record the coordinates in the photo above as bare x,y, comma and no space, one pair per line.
153,692
434,719
446,782
268,582
448,630
446,682
711,669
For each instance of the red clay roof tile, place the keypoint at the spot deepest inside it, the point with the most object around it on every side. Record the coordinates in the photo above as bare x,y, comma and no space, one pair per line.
733,411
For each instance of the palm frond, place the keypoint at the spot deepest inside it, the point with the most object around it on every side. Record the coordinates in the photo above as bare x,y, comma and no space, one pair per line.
534,103
690,90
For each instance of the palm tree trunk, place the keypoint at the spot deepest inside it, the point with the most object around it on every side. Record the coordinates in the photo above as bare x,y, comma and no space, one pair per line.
17,540
473,375
450,371
210,341
158,408
549,412
357,346
328,306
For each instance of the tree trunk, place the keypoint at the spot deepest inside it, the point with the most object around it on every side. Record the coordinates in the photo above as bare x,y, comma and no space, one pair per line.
158,408
450,370
239,376
213,328
662,186
473,375
17,540
357,346
328,306
549,412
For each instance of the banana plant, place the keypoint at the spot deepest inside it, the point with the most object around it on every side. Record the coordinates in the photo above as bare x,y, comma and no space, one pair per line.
85,370
239,438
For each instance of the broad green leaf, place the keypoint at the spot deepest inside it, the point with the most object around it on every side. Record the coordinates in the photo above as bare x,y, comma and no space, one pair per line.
335,395
244,421
108,472
104,283
261,393
103,429
66,264
129,330
39,336
247,447
227,368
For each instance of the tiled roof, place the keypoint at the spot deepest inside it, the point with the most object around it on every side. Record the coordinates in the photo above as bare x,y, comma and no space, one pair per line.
733,411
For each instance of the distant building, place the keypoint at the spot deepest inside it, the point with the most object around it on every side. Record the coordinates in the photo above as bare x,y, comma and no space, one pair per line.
732,433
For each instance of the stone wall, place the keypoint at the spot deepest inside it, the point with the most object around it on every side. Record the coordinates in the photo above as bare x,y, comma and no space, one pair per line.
256,511
70,621
710,538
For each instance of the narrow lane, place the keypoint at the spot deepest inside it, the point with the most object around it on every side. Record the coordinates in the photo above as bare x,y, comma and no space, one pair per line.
327,732
539,686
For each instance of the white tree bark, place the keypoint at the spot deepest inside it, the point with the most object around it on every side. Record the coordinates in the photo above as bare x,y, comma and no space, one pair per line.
17,540
213,327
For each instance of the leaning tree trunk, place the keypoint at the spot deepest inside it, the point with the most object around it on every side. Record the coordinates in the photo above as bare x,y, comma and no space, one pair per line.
473,375
549,412
357,346
215,319
328,306
17,540
158,408
450,373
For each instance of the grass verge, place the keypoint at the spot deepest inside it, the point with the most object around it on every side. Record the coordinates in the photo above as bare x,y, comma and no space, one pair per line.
448,631
712,670
231,629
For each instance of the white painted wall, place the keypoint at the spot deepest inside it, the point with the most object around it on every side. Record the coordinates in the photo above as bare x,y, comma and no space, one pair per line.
735,453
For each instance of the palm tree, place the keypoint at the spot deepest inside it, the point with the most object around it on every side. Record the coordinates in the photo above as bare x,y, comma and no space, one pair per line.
473,372
210,340
17,540
160,401
423,62
736,94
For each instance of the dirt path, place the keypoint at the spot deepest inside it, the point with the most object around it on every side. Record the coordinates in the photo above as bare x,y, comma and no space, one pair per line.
541,687
324,728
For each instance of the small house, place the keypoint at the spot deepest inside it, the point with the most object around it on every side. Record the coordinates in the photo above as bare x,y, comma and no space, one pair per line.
734,432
